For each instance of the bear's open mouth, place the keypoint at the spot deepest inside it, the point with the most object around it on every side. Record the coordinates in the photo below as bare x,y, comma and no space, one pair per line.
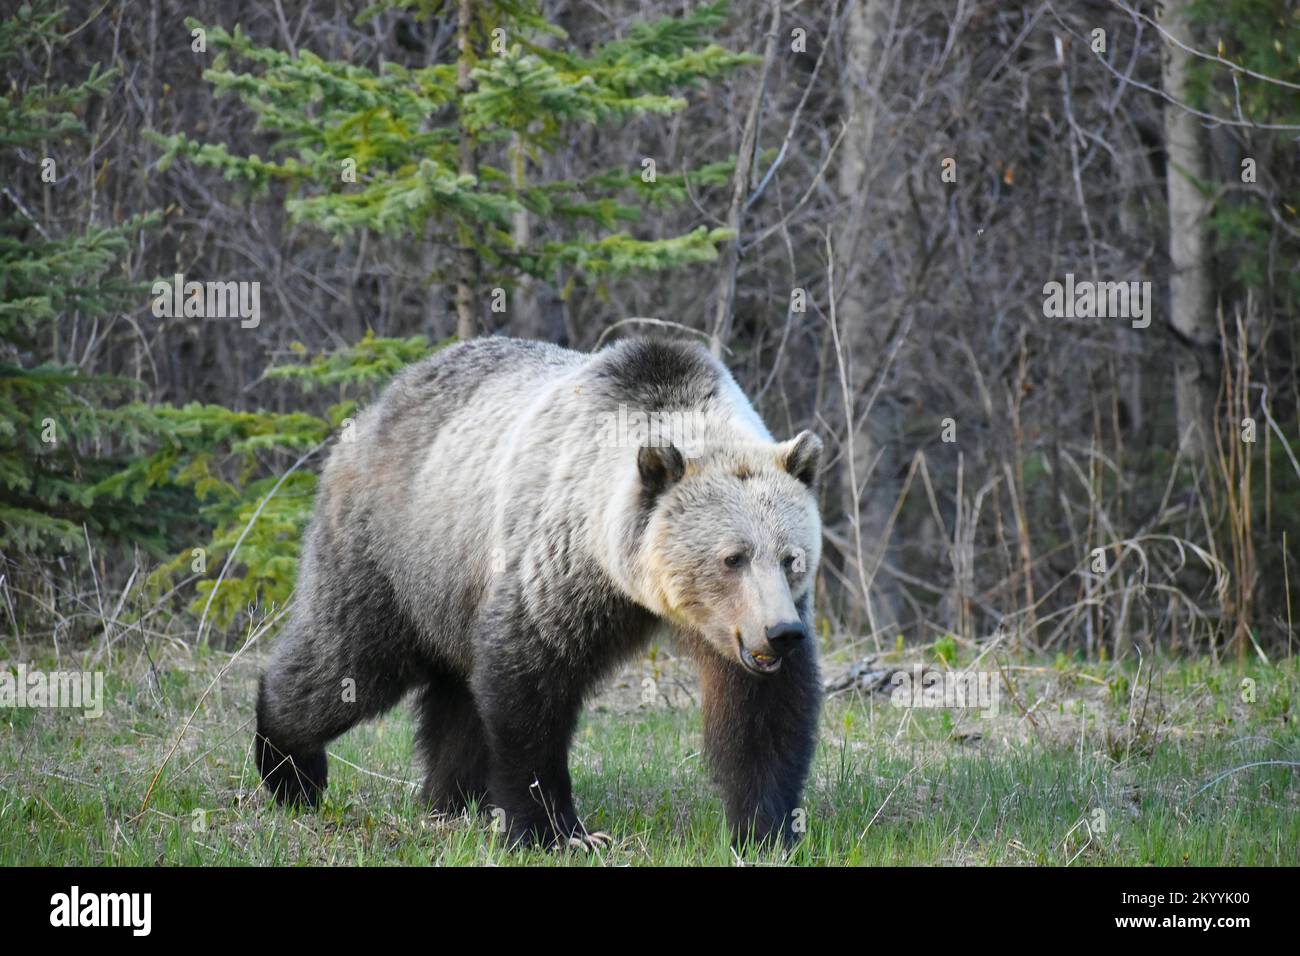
758,663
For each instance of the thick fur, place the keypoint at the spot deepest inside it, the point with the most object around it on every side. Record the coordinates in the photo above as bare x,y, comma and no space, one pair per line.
484,541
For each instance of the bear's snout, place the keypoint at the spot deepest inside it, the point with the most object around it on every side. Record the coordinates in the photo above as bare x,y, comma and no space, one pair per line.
778,640
783,637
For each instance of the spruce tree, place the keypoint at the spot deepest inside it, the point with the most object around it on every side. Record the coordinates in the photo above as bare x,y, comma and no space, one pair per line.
58,427
439,154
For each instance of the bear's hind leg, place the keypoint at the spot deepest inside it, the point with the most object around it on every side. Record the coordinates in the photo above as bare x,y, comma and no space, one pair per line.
314,689
289,759
453,744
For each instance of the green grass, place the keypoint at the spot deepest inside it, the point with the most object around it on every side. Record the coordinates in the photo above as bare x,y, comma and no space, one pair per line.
1134,756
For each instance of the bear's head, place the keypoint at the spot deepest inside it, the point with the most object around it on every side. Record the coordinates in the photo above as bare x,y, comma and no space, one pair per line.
732,543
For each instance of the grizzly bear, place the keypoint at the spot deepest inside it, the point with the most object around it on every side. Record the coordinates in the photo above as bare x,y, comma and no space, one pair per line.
509,522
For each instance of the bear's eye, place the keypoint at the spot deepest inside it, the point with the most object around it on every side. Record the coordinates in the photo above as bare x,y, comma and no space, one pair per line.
734,561
789,561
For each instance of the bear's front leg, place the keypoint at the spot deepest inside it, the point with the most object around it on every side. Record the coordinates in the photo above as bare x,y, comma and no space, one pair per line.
759,734
530,716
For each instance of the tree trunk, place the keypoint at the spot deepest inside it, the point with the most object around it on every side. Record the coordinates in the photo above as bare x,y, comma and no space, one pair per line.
1191,304
740,181
870,483
467,265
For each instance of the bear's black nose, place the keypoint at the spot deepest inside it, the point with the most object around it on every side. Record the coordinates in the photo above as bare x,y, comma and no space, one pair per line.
784,636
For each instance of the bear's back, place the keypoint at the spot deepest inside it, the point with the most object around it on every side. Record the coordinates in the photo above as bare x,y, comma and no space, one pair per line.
423,397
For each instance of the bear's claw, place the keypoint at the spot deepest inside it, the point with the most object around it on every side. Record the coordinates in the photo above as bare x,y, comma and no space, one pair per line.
590,842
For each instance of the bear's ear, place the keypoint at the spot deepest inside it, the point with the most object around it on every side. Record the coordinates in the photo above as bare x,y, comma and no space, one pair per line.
802,456
660,466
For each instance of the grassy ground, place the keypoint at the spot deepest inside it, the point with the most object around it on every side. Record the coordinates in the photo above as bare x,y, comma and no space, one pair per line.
1084,765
